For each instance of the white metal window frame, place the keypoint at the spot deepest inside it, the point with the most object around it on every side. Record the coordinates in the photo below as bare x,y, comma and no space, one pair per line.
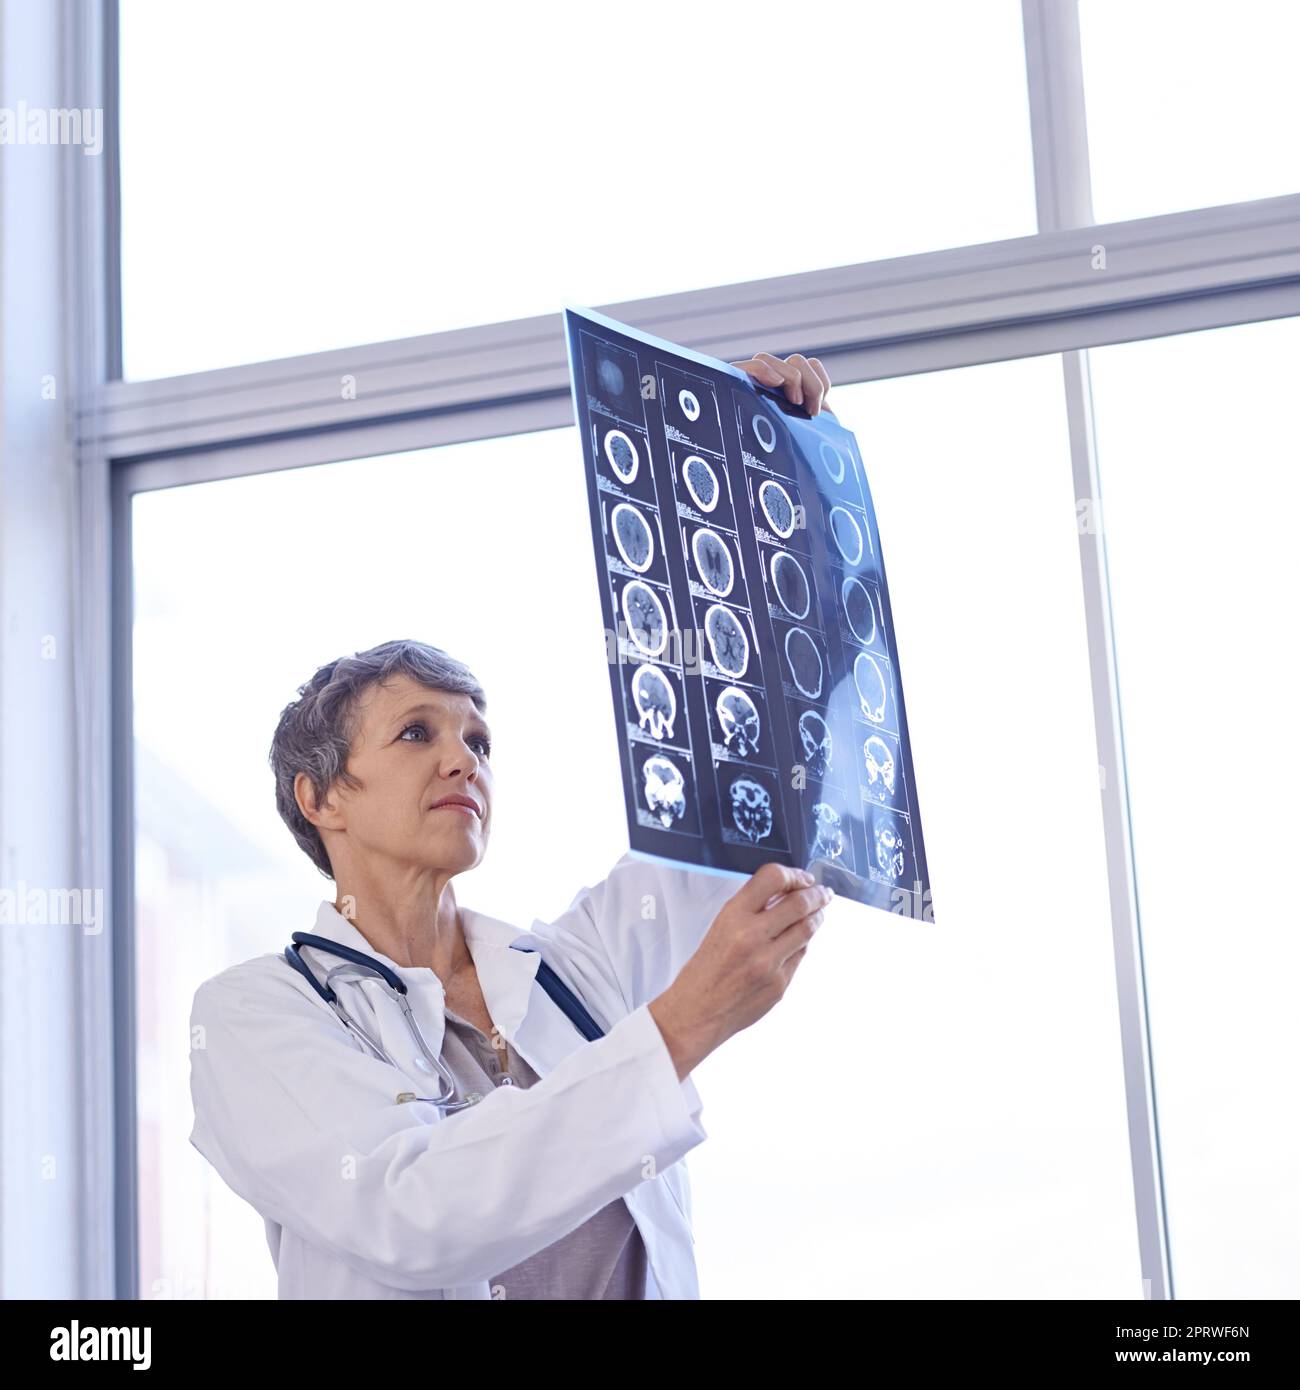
1047,293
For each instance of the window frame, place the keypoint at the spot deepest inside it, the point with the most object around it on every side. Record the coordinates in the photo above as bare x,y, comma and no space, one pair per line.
1026,296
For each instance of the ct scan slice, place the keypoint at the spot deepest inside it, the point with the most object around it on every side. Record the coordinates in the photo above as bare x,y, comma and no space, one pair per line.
752,656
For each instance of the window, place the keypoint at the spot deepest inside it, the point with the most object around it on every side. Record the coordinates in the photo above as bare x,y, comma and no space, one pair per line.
243,588
1195,438
937,1111
1189,104
300,176
956,1087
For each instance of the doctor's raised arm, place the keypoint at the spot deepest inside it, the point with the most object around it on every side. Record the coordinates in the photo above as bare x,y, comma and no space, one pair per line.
422,1101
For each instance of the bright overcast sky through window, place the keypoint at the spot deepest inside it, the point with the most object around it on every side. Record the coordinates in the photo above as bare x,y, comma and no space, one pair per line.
298,176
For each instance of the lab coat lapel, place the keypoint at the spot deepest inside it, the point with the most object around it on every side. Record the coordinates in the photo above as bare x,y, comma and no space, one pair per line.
527,1017
371,999
530,1021
505,976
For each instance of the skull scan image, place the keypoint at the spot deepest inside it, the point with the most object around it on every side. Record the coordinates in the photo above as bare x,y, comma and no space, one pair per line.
738,719
647,623
791,584
805,662
889,853
882,773
610,377
777,507
872,690
847,534
832,461
689,403
656,704
764,432
727,641
633,537
815,735
751,809
665,790
621,453
713,562
859,610
701,482
829,840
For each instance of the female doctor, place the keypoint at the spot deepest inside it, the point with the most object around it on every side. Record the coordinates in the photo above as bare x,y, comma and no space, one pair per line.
412,1102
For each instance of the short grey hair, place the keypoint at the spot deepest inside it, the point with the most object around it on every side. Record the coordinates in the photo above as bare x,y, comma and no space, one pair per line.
315,731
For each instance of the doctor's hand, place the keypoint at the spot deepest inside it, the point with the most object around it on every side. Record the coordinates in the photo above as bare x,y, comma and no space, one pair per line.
743,966
804,380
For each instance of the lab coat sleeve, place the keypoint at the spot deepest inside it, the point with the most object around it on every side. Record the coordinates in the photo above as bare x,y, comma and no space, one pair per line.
305,1126
638,926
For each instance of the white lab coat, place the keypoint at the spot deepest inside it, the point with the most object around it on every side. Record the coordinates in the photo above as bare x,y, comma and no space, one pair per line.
367,1198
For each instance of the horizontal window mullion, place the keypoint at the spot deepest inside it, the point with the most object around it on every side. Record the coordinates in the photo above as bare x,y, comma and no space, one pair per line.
1052,292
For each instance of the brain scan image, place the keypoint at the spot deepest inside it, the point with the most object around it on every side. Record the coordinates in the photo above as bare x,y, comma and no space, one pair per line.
727,641
888,848
828,840
713,562
777,507
847,534
690,410
764,432
621,453
656,704
701,482
878,763
665,790
610,377
791,584
805,662
832,462
647,623
738,719
815,736
872,689
859,610
633,537
751,809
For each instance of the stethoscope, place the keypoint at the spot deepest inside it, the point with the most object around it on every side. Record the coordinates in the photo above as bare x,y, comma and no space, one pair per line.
357,966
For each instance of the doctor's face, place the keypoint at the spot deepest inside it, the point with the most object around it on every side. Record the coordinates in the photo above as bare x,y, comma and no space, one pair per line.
425,799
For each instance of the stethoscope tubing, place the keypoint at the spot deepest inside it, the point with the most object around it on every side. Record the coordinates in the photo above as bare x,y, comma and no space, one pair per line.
445,1102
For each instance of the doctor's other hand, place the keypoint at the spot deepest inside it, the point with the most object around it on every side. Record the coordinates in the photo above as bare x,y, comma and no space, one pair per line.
743,966
804,379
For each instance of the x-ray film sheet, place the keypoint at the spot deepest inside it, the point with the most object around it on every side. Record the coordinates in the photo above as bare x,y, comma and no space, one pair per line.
752,661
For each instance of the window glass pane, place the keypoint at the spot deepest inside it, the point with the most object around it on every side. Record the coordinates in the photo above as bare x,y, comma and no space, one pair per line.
938,1111
1196,443
245,587
934,1110
303,176
1191,103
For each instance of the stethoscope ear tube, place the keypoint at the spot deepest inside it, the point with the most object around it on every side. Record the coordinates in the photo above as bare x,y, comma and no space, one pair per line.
324,991
323,943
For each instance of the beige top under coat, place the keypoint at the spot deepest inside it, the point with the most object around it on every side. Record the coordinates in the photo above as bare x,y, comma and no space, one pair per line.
603,1258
